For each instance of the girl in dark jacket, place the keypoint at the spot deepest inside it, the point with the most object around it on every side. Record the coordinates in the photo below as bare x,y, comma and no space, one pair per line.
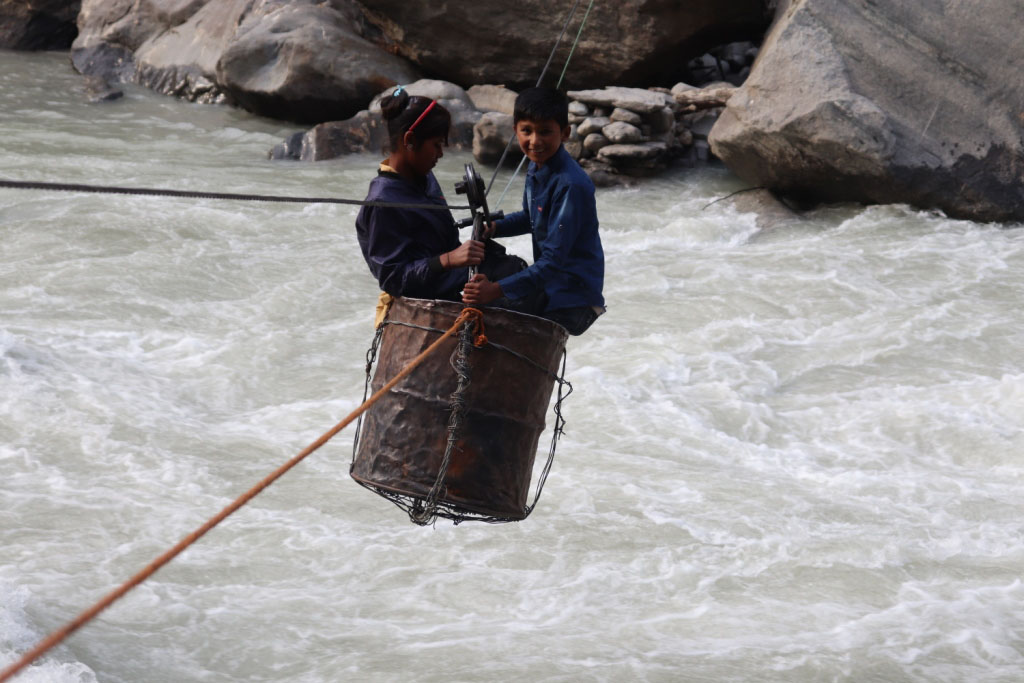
414,252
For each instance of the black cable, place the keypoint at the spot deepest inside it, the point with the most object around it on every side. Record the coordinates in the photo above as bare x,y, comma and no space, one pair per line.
191,194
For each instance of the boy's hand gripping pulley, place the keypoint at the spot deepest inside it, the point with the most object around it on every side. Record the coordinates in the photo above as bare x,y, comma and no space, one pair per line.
472,185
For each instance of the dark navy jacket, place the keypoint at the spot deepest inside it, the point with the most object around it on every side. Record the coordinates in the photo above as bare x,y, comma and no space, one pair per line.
402,246
568,261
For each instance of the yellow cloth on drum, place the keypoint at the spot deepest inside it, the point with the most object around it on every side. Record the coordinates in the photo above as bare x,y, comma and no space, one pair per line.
383,304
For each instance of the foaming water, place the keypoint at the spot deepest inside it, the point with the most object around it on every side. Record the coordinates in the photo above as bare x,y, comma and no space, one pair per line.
790,455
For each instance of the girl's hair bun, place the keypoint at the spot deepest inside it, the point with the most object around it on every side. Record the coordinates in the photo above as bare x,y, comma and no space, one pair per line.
392,106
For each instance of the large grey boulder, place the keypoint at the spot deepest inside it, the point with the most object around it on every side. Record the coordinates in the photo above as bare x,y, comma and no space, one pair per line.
366,132
491,136
38,24
300,60
880,102
453,98
446,93
493,98
305,62
628,42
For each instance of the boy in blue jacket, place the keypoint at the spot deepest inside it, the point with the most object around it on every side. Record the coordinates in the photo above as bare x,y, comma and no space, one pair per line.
564,283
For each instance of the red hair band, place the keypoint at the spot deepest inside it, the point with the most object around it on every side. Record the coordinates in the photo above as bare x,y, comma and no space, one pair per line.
422,116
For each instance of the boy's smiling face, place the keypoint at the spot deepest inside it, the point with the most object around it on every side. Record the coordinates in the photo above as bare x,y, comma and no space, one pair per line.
540,140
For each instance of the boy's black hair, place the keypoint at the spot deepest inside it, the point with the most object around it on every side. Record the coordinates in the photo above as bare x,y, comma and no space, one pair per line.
400,111
542,104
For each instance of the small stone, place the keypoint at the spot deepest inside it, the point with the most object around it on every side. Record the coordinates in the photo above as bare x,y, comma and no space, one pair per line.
99,90
574,148
703,150
662,121
701,128
620,133
578,108
291,148
626,116
624,153
634,99
682,87
593,125
594,142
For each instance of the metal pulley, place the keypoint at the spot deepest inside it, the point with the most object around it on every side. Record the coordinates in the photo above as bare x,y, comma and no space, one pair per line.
472,185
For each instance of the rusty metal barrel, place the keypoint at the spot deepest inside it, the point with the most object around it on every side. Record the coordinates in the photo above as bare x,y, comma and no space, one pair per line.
403,436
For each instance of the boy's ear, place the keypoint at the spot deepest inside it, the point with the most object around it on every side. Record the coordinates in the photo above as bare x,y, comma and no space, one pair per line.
566,133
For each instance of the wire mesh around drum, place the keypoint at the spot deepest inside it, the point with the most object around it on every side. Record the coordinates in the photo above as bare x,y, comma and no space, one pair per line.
460,443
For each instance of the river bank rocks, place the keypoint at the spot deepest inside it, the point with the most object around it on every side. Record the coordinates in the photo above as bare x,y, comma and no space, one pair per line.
919,103
311,61
622,133
297,60
617,133
875,102
38,24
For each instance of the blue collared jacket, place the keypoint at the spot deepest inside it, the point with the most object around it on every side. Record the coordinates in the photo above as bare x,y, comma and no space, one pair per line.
560,211
402,247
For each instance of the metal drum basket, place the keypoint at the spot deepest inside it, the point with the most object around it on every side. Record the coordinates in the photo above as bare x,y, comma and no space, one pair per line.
402,439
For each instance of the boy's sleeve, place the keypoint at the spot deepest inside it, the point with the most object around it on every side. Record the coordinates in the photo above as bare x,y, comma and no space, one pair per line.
403,266
564,228
513,224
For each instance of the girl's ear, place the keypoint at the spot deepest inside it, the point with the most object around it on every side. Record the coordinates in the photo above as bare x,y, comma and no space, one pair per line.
408,139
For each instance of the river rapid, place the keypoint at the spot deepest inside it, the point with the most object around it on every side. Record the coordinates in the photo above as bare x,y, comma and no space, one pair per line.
791,455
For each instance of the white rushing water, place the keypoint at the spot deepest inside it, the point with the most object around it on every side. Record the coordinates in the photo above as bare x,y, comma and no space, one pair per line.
790,456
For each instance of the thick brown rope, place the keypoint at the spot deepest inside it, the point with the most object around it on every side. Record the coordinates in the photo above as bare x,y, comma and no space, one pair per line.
54,639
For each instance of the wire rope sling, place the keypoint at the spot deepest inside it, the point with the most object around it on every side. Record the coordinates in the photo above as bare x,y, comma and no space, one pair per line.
458,438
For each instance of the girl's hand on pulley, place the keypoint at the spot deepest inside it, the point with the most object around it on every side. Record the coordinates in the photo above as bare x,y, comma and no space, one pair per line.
469,253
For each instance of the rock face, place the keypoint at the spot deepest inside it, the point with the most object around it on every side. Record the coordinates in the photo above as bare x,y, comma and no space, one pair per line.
883,102
299,60
629,42
320,60
38,24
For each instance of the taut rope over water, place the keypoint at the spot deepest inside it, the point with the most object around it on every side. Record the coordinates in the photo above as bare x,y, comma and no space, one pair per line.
469,316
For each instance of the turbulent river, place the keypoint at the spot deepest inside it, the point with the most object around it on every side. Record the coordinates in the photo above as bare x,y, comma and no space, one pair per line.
791,455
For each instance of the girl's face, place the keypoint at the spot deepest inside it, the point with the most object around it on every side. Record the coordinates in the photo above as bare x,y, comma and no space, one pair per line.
422,157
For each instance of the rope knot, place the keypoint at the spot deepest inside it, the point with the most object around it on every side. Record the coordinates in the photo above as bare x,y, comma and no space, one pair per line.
477,317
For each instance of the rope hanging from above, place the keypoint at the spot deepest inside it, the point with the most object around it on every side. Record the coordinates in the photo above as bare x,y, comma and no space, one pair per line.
540,80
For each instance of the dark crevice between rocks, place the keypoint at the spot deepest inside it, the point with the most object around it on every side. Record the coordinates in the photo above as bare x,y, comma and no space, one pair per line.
42,31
